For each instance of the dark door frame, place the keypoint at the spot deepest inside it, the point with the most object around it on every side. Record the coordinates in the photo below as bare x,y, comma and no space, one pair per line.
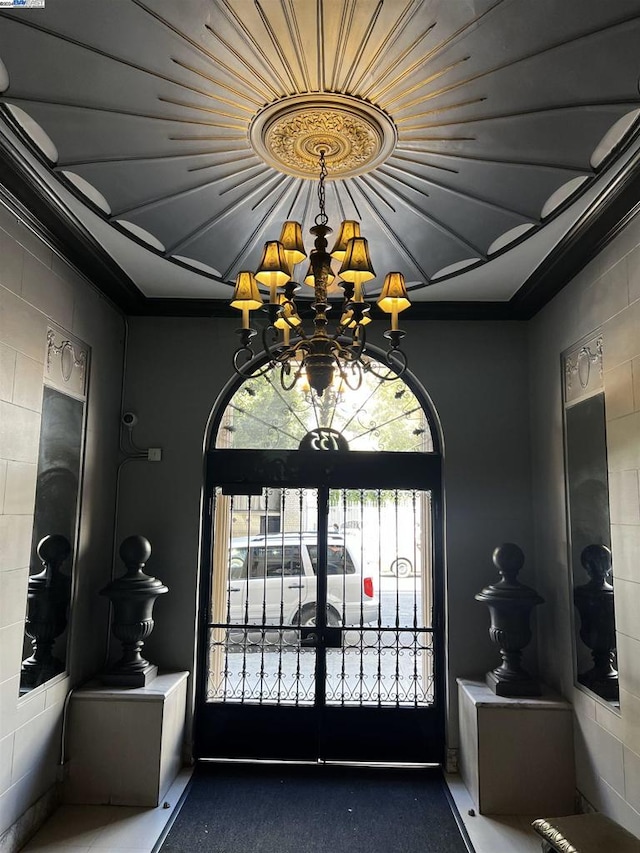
238,469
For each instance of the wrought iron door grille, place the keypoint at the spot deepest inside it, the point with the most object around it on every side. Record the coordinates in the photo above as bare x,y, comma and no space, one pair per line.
381,667
261,666
263,644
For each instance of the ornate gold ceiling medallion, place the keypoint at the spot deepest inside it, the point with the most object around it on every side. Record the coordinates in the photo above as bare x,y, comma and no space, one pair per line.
290,133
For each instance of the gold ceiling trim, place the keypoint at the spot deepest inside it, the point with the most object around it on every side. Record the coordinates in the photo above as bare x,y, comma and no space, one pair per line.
355,135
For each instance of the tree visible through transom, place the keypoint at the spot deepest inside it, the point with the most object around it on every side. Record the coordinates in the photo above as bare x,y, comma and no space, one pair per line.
380,415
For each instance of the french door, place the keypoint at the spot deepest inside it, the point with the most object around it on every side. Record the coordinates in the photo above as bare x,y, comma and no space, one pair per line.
321,629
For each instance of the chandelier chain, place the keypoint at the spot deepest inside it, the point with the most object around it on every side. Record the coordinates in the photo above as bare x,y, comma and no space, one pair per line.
322,218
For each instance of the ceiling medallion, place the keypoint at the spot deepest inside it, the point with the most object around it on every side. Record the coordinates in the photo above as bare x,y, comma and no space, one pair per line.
290,133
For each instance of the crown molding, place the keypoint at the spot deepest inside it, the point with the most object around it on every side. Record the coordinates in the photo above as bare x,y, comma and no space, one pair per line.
419,310
600,223
48,217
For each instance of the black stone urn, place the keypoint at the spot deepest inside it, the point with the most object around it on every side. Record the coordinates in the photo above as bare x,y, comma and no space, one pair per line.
510,604
594,601
133,596
48,598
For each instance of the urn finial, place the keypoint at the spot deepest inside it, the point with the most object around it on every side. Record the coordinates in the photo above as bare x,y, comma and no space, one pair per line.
594,601
133,596
48,596
510,604
135,552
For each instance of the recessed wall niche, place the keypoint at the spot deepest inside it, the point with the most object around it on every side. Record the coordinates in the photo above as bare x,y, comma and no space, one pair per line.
56,509
589,531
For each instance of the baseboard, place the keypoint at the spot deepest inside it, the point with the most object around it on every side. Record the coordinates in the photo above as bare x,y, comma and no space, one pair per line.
451,760
14,838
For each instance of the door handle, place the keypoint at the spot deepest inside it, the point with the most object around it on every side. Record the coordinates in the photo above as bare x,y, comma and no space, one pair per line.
331,638
309,639
234,589
295,586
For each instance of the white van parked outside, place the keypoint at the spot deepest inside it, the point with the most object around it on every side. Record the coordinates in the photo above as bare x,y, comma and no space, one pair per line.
272,581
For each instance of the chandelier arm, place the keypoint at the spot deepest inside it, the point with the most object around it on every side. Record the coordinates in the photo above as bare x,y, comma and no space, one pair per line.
241,357
274,352
389,375
397,362
298,329
285,370
341,332
358,350
241,366
350,342
346,355
357,369
359,342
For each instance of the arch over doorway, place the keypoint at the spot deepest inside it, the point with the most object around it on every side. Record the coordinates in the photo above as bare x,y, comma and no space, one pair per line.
322,597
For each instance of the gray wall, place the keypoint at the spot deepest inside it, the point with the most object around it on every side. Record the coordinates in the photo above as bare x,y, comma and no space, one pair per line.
496,388
606,296
37,286
476,375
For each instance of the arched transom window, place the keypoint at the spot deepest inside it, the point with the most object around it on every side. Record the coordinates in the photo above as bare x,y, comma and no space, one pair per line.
379,415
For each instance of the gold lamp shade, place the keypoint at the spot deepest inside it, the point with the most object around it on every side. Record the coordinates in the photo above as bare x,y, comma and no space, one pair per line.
274,269
356,264
291,239
356,314
310,280
348,320
393,297
349,228
246,296
394,294
289,312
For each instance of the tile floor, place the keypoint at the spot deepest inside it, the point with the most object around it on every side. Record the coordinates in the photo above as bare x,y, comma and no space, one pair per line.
497,833
99,829
123,829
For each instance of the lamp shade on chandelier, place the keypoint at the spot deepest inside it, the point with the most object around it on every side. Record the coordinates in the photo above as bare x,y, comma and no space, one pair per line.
319,354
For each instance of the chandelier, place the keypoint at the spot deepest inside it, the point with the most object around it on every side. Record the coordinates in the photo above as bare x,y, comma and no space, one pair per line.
319,355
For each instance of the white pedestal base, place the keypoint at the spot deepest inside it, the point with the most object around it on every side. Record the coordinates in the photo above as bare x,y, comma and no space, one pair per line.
125,745
516,754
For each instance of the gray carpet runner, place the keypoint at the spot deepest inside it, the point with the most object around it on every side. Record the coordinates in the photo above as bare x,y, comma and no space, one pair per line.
309,809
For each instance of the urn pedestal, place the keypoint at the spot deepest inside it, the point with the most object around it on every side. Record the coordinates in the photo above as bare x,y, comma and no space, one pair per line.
516,753
48,597
594,602
133,596
510,604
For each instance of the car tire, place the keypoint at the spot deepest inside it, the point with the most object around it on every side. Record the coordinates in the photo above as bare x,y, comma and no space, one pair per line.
401,567
308,617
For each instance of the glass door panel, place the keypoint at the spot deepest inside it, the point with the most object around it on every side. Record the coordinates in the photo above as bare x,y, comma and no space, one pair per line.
386,658
263,648
265,592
